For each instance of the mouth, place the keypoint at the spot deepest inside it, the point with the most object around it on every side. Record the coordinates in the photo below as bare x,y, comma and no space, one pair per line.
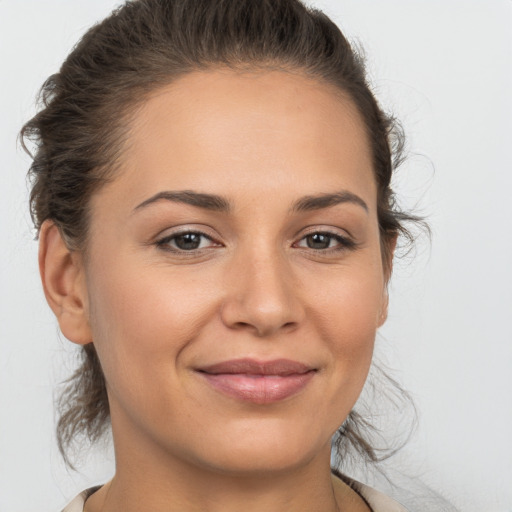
259,382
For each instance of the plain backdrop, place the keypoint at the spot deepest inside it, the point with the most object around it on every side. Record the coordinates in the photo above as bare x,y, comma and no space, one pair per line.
444,68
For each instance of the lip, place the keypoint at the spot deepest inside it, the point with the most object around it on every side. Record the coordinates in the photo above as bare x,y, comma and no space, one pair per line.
259,382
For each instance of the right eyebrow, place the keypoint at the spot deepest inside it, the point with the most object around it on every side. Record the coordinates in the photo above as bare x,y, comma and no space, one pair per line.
206,201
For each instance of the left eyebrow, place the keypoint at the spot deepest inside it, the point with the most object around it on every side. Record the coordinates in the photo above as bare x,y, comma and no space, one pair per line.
320,201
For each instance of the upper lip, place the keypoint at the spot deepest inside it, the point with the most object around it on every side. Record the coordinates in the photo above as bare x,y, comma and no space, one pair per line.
279,367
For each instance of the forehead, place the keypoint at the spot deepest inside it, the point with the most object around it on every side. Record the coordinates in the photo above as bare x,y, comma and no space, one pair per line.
221,130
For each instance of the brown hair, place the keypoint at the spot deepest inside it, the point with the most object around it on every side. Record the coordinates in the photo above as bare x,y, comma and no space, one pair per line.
143,45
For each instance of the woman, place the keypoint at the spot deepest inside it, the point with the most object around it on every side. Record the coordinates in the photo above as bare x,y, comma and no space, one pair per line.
211,187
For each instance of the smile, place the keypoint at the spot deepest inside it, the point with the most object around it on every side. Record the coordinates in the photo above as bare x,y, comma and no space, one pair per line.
258,382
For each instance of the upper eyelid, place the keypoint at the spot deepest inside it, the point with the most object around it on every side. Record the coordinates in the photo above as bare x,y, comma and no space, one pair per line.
344,241
164,243
166,236
212,234
183,230
204,231
330,230
176,234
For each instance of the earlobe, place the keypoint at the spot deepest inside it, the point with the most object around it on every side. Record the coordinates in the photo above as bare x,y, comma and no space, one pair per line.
64,284
384,309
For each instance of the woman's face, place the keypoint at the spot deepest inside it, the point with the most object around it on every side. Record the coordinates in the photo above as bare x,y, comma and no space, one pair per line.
234,278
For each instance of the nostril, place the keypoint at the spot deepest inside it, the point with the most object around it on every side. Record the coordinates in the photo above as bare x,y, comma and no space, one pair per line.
242,325
262,308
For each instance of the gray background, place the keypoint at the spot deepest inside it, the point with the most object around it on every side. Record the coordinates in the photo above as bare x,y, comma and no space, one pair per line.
444,67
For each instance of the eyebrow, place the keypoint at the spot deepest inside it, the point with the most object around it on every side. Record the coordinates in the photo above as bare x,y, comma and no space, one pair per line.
206,201
217,203
320,201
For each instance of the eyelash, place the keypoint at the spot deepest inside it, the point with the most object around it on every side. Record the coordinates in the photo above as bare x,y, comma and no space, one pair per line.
164,243
343,243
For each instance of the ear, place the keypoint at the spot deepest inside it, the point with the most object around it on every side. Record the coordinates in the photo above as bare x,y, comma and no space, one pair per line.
388,255
383,315
64,284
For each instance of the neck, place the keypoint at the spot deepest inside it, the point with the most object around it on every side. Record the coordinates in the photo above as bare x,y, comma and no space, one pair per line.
178,485
219,494
146,481
151,478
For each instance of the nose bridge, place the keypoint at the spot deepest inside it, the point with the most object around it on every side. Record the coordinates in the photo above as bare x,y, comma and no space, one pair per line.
263,294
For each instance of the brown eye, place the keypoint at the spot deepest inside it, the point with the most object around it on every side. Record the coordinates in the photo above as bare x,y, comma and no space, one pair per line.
188,241
325,241
319,241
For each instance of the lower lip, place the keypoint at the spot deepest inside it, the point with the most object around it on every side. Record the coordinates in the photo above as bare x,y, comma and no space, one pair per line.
259,389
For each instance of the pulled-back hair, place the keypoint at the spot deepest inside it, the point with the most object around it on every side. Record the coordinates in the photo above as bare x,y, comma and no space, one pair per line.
145,44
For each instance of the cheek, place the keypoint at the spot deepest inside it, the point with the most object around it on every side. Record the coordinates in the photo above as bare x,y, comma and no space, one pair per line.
142,317
346,314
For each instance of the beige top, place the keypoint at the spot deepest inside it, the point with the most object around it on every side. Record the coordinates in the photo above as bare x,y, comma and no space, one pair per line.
377,501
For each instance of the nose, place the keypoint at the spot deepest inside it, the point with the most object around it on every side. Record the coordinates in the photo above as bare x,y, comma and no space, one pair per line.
263,295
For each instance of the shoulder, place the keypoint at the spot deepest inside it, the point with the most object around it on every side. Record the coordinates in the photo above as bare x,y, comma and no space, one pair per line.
377,501
77,505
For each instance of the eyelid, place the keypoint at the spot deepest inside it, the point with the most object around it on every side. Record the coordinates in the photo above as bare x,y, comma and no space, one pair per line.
325,228
163,239
180,229
345,240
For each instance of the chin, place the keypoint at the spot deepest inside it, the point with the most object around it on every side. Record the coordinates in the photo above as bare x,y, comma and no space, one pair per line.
266,451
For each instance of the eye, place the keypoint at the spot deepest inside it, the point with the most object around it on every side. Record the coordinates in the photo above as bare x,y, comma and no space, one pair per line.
186,241
322,240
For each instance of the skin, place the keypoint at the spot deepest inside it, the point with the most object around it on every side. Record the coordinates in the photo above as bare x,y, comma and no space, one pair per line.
254,288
